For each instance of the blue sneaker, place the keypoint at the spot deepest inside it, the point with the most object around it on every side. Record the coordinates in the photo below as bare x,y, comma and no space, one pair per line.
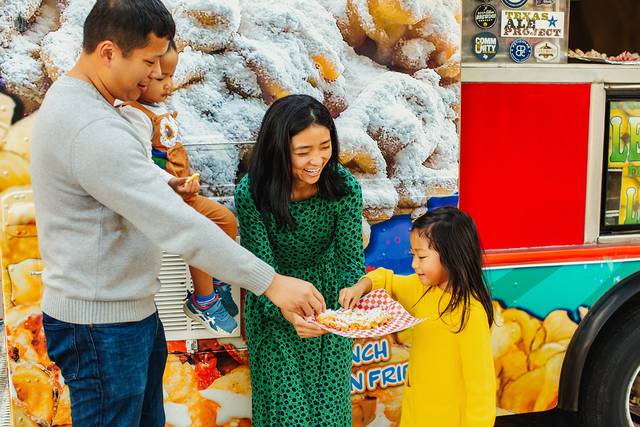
223,290
214,318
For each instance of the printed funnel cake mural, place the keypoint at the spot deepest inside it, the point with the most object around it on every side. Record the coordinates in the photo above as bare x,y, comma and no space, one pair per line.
389,72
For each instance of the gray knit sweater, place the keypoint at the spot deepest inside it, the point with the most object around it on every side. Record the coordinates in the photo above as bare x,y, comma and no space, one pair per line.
104,215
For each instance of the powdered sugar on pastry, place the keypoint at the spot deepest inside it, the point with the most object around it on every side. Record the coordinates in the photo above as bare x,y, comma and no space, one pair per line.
355,319
207,25
398,131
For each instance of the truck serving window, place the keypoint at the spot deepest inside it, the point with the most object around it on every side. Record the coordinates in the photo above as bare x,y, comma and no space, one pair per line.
620,211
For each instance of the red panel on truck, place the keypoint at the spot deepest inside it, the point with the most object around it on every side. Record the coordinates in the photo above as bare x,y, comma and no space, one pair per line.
523,162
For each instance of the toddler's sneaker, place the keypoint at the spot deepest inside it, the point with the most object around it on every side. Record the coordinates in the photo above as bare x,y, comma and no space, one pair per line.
215,317
223,290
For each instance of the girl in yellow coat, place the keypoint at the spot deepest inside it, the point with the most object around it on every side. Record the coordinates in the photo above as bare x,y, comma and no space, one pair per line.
450,379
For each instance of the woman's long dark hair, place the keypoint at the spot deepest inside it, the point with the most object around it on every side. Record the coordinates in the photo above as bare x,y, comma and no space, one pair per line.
270,176
453,234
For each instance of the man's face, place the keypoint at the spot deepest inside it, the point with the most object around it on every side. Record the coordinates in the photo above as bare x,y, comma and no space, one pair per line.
128,77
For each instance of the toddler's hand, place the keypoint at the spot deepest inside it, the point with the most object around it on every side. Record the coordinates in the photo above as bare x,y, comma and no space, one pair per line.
349,297
303,328
186,186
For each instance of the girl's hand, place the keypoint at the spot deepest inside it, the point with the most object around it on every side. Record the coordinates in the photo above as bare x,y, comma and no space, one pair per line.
349,297
303,328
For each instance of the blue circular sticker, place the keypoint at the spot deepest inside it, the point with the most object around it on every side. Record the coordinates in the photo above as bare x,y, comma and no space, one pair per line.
520,50
514,3
484,46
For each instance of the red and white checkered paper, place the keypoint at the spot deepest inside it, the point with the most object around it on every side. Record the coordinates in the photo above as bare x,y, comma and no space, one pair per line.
400,318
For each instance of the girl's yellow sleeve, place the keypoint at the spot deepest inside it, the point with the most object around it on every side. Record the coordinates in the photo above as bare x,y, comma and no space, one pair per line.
404,289
477,369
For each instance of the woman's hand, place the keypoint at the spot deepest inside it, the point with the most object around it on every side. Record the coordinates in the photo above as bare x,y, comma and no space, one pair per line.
349,297
303,328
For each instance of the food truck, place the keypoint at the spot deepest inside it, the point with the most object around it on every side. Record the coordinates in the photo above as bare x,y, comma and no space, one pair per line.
550,189
547,167
543,154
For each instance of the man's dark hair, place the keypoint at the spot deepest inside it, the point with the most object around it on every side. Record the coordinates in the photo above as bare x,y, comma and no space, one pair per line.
127,23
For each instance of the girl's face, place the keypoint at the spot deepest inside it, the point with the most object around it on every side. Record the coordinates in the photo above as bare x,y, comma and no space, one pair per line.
310,153
426,262
160,88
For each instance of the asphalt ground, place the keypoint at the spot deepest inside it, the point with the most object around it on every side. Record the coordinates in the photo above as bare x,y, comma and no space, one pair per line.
554,418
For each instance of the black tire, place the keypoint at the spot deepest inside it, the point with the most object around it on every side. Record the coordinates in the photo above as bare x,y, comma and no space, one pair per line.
612,364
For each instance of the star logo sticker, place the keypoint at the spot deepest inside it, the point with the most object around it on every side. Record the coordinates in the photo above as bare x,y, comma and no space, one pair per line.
552,22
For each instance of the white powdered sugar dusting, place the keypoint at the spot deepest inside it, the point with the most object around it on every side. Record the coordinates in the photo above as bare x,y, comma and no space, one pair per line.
365,19
22,70
293,47
206,25
76,12
408,119
398,129
354,319
15,16
337,8
192,66
61,49
413,54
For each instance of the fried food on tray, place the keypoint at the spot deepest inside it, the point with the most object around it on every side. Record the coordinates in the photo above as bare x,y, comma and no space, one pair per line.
354,320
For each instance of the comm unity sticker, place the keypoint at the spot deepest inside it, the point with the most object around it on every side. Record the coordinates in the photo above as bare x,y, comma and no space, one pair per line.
485,16
485,46
545,51
520,50
514,3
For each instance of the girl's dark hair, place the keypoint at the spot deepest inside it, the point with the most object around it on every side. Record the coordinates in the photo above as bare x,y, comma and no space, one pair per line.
127,23
270,177
453,234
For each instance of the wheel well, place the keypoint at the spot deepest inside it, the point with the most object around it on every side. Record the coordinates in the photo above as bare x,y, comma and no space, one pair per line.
624,296
630,305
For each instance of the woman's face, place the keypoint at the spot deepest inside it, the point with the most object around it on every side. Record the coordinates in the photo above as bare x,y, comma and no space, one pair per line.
310,153
426,262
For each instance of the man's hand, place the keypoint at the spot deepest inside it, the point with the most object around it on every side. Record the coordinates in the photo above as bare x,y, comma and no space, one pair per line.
303,328
185,186
298,296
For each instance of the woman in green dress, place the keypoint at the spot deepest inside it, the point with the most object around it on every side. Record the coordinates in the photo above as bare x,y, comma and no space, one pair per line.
301,212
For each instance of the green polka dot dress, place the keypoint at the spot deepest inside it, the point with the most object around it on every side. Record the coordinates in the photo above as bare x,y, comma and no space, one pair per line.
295,381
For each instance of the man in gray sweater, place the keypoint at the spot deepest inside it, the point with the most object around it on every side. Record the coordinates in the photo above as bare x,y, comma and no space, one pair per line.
104,215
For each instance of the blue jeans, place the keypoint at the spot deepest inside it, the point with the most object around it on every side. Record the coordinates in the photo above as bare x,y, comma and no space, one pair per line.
114,370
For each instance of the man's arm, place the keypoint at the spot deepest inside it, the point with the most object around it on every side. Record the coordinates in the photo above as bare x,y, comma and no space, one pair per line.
120,177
